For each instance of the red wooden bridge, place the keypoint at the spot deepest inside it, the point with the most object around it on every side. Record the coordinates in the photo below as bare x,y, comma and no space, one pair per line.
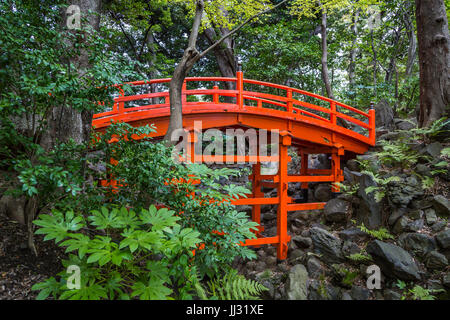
305,120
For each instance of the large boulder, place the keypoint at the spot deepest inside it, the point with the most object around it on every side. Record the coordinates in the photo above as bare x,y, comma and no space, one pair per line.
369,210
327,245
394,261
407,124
443,239
384,115
322,193
418,243
442,205
337,210
436,260
297,283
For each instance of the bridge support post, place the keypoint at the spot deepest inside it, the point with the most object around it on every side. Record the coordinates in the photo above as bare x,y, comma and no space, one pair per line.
257,193
336,170
282,233
192,141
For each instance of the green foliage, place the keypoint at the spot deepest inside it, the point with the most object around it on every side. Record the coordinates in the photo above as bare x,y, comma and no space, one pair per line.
122,254
381,187
417,292
398,153
360,257
380,234
233,286
145,169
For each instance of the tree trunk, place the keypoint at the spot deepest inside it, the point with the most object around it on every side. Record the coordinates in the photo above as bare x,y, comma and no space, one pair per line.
325,72
65,122
190,57
352,65
434,60
412,48
225,58
375,64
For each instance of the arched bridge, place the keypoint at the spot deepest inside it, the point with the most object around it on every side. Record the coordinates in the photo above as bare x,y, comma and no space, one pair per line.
310,122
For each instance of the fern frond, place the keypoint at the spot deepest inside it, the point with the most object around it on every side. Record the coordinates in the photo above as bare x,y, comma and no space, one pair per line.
234,286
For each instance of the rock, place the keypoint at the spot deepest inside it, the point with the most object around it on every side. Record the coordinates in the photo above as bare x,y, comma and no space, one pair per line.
360,293
430,216
302,242
369,211
395,215
404,224
438,226
13,207
314,267
441,205
352,234
322,193
423,170
434,284
419,244
433,149
371,159
404,191
295,255
318,290
443,239
337,210
401,225
391,295
446,280
436,260
346,296
271,261
384,115
349,248
416,225
296,286
394,261
405,125
415,214
351,176
327,245
353,165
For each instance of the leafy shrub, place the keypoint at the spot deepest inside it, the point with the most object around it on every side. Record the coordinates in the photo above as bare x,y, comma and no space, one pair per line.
122,254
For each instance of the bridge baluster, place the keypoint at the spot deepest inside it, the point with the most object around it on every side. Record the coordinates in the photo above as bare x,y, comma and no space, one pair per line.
333,119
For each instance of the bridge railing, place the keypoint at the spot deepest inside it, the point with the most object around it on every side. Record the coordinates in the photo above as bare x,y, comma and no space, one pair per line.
247,95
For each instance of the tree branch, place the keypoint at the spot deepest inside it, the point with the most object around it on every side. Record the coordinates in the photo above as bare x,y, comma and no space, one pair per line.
204,53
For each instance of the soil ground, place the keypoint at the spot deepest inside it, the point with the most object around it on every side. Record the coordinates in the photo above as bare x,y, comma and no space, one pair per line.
19,268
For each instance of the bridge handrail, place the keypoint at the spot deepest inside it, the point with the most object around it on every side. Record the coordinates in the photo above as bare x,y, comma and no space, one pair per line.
288,102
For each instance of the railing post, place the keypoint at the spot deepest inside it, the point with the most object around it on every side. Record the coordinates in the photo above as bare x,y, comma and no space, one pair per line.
167,100
121,105
215,95
372,130
289,104
333,118
240,86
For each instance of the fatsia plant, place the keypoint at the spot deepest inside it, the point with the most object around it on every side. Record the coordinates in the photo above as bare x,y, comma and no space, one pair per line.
122,254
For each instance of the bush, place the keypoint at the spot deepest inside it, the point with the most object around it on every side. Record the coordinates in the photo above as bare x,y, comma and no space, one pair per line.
122,254
117,244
